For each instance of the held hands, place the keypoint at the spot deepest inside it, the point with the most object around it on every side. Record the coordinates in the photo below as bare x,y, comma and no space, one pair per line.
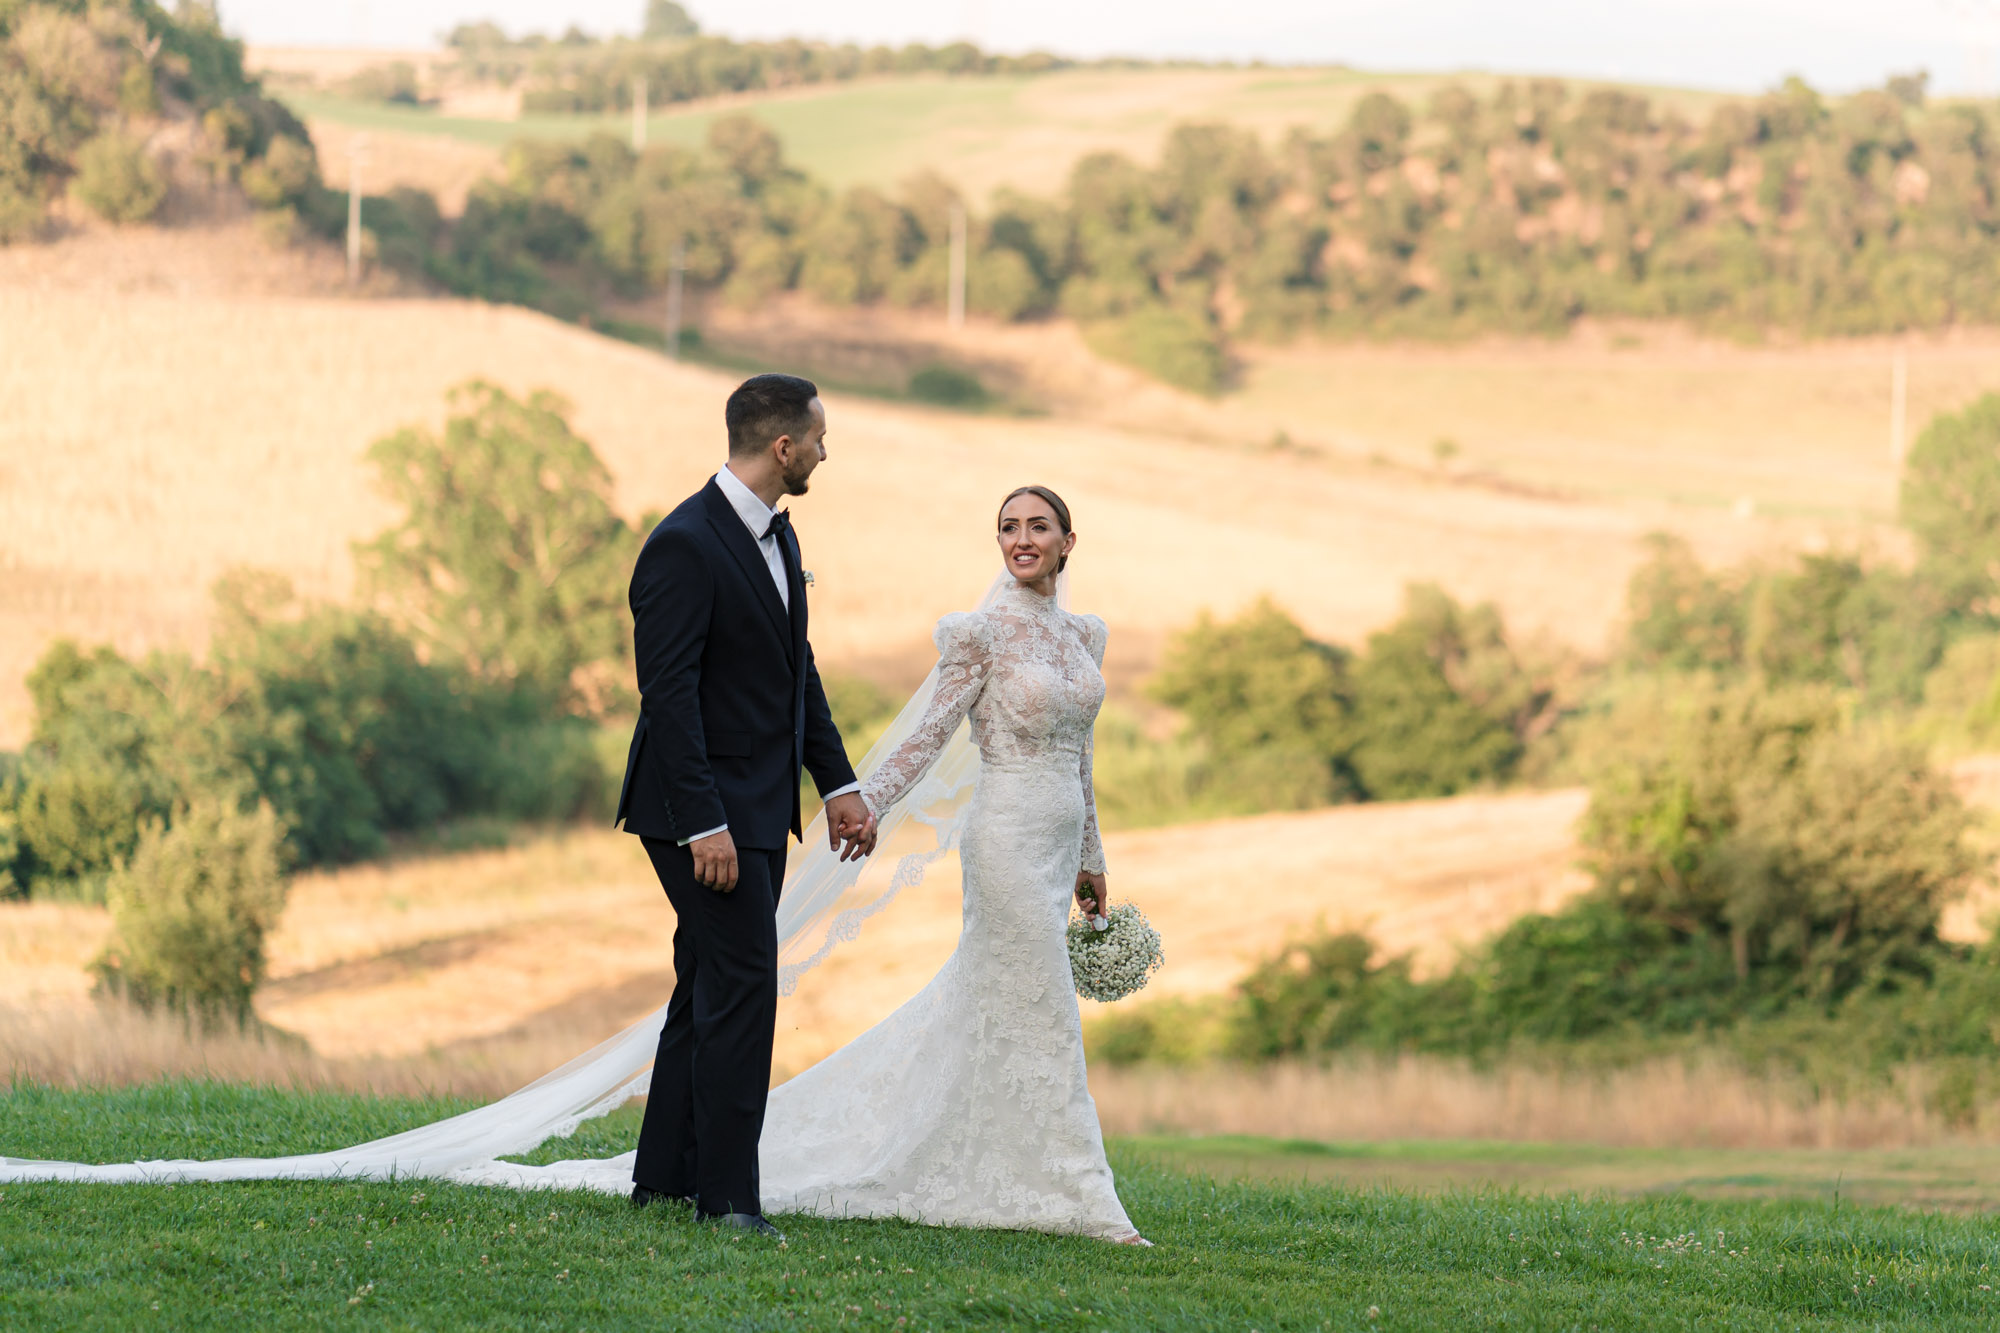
1090,893
850,826
715,861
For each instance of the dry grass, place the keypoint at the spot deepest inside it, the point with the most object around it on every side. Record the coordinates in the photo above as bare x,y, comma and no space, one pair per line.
569,933
446,168
112,1045
150,441
478,971
1664,1104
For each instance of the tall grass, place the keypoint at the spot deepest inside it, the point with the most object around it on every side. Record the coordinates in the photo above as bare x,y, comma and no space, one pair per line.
113,1044
1666,1103
1662,1104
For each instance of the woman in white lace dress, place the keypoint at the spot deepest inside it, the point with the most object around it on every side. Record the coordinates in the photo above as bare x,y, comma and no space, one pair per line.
969,1106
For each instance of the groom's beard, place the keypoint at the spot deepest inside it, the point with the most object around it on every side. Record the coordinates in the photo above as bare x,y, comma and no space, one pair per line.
797,480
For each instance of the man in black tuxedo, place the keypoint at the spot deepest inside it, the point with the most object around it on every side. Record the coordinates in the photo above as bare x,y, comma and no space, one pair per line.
730,709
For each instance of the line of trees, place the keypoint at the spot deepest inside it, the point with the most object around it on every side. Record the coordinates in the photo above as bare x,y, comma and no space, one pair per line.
1523,211
575,72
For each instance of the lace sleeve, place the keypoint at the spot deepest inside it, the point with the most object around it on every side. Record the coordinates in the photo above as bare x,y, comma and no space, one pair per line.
963,656
1095,635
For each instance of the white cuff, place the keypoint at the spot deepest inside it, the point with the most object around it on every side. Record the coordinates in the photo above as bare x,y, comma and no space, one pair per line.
719,828
841,791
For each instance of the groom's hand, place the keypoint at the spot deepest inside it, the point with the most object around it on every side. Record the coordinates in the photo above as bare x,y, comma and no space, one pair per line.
715,861
850,821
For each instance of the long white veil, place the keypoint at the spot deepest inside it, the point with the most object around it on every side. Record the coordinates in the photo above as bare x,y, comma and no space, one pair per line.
823,905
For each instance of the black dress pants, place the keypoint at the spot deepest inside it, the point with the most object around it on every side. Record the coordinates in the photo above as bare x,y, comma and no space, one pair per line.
705,1111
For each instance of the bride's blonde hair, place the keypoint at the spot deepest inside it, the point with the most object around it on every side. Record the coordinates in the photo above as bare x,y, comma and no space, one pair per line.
1055,503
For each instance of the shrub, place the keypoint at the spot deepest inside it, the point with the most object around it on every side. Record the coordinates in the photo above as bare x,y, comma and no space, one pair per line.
339,725
948,386
1270,703
394,83
1961,701
1166,1031
1755,816
1442,702
1951,503
284,176
1181,349
1414,732
118,179
191,911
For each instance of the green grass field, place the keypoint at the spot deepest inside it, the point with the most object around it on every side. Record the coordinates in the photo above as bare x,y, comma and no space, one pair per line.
1020,130
1234,1255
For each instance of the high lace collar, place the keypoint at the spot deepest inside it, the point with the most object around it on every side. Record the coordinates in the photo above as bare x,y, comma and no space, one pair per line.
1019,597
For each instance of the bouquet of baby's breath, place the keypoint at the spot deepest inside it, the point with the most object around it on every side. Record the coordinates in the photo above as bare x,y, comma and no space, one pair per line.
1114,955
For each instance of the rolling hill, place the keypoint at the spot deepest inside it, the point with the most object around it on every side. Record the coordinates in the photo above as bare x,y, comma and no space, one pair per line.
1018,131
151,440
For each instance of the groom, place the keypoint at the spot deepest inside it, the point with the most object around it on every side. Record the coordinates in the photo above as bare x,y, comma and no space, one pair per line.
730,708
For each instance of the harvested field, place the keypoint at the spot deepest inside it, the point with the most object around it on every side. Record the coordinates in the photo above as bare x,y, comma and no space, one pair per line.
151,439
567,937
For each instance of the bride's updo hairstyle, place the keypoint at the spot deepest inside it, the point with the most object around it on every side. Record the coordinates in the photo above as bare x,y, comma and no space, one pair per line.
1055,503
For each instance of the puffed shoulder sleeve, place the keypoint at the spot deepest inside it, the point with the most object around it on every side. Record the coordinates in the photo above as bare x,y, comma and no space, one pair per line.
1096,634
961,637
964,644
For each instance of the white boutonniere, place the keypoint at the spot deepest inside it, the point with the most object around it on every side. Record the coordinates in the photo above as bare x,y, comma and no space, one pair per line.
806,577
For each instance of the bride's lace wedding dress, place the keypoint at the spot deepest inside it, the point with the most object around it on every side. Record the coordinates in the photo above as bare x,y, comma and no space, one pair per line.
968,1106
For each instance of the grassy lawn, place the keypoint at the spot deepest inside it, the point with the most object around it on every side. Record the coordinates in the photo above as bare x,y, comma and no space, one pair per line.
1231,1255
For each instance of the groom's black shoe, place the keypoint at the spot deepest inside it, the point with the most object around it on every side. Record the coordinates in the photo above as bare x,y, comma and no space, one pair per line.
641,1197
750,1222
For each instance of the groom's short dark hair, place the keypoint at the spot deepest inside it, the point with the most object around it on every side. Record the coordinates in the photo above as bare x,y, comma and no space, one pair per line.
765,407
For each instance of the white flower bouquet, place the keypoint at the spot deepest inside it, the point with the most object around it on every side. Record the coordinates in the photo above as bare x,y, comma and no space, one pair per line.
1115,955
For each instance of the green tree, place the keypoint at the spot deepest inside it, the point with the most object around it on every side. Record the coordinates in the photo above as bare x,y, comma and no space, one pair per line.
1269,701
666,21
509,558
1678,615
1756,815
1440,702
1951,503
118,180
192,909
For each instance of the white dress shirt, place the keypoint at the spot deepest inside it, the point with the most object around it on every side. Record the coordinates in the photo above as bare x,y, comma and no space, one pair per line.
756,516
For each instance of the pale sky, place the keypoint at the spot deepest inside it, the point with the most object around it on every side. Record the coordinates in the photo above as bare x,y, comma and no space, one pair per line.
1741,45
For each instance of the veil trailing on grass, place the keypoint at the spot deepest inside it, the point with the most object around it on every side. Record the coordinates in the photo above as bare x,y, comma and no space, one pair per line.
824,903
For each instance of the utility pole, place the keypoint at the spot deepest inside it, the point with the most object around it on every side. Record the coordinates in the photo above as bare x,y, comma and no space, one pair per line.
357,148
639,114
955,301
674,279
1899,393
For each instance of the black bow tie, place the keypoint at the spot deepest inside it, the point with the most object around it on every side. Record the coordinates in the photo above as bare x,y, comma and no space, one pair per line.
780,522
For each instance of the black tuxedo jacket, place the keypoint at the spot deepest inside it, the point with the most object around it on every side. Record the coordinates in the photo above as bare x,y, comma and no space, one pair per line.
730,703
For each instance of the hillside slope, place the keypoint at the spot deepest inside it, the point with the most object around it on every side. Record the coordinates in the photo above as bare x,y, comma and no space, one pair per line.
149,442
1023,132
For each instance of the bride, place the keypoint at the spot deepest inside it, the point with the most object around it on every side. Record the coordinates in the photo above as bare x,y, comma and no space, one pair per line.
968,1106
